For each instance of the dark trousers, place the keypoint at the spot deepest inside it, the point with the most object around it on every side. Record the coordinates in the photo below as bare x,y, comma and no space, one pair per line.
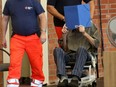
62,58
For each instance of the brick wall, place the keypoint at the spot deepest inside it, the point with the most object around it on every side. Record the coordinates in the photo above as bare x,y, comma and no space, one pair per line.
0,40
52,44
108,9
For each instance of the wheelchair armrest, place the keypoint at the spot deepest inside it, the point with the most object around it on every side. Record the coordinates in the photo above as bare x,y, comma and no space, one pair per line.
88,63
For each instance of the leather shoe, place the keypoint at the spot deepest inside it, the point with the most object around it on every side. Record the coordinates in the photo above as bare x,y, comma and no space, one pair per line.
73,83
64,83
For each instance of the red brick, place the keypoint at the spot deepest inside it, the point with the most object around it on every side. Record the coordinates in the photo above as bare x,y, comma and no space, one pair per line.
113,15
112,11
104,11
104,1
53,79
113,5
112,1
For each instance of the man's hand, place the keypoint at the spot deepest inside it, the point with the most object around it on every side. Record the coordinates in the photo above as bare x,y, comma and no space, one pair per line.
82,29
4,44
5,20
43,37
87,36
64,29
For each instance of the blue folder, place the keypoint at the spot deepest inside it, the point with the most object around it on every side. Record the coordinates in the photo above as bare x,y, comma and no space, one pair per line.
77,15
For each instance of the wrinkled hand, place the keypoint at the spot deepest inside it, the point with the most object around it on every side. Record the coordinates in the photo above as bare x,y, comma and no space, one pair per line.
82,29
43,37
64,29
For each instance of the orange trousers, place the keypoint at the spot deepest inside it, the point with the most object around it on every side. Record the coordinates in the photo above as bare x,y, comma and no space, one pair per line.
33,47
58,31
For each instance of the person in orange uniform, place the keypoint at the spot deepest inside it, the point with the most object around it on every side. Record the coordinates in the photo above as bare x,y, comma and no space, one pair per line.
24,16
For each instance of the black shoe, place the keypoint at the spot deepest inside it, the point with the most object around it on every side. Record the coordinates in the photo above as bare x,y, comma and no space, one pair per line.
64,83
73,83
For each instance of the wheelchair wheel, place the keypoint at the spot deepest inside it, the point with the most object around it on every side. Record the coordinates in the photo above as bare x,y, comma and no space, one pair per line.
94,84
89,85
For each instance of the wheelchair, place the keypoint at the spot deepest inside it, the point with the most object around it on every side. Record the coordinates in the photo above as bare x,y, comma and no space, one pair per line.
90,72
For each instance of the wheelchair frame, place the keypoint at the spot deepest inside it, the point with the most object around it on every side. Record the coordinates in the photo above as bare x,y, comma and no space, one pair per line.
90,79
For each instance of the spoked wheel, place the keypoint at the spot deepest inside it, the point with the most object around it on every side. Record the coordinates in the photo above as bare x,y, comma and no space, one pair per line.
89,85
94,84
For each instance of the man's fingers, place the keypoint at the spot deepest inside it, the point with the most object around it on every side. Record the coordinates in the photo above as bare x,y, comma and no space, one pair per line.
43,41
4,45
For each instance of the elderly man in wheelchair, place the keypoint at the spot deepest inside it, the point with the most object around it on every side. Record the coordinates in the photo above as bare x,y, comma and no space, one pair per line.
80,44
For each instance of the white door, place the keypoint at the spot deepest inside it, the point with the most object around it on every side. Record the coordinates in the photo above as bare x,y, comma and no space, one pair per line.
45,50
